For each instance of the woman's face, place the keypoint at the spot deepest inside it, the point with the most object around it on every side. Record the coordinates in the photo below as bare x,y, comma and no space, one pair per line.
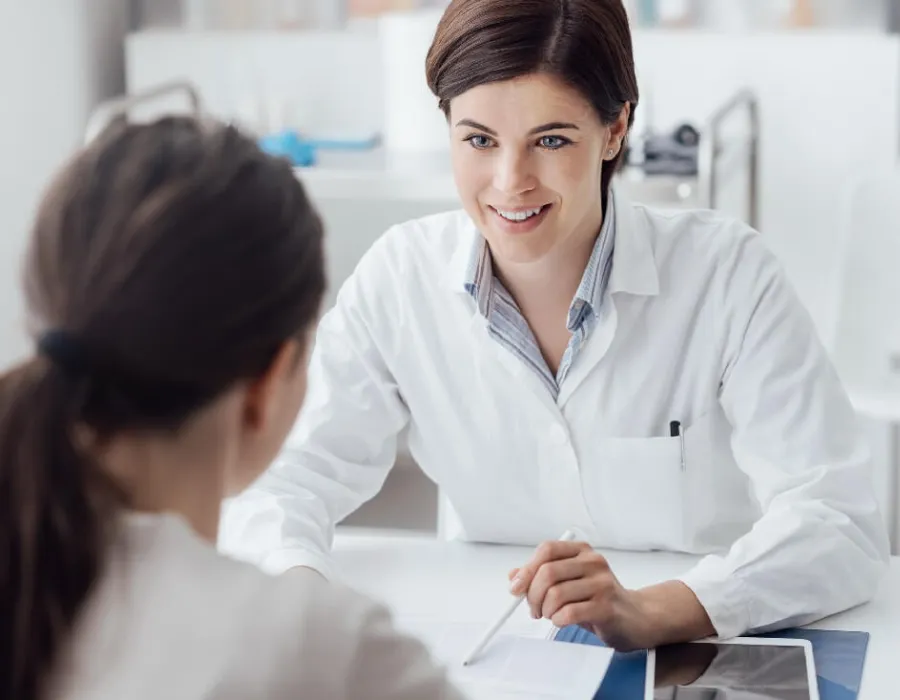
527,157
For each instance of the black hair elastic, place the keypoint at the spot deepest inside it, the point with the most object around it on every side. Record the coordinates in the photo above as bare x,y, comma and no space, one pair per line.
65,351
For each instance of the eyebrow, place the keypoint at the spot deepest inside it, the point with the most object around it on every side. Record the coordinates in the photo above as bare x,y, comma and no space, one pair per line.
552,126
476,125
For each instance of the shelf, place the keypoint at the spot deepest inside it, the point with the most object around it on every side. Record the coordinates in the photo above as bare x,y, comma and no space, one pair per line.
428,178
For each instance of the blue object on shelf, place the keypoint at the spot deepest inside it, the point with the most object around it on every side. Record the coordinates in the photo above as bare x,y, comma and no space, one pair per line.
288,144
648,13
302,151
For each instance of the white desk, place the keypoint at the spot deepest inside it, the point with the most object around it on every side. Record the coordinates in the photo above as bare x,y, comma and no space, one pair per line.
881,402
423,577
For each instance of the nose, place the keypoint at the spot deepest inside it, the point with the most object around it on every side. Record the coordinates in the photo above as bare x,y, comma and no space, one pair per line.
513,174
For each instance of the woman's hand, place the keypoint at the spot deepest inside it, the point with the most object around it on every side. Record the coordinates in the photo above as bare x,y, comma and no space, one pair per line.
570,584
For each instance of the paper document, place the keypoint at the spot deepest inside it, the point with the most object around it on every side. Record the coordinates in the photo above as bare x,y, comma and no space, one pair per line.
512,666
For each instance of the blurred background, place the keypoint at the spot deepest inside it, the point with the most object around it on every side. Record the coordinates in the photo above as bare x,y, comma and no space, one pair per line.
785,113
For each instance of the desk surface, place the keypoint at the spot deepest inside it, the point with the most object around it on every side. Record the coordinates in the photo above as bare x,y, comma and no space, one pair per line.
424,577
881,402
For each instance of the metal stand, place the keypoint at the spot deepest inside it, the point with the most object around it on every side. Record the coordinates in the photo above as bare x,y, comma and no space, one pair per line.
704,188
117,109
711,146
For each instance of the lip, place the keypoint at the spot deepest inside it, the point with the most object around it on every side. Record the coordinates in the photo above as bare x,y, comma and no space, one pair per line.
519,227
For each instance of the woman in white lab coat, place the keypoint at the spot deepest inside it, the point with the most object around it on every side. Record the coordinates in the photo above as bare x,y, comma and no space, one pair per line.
174,275
564,358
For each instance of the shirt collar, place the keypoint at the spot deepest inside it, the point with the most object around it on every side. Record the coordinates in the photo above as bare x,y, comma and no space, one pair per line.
634,271
589,295
479,278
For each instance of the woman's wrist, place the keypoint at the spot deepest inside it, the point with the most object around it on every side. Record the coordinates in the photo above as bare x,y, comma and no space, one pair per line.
671,614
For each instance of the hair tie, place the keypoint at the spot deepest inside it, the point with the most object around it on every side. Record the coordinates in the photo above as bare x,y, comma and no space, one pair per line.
65,351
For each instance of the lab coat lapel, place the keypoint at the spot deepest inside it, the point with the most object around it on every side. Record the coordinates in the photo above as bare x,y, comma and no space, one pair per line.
521,374
634,264
592,352
633,272
457,268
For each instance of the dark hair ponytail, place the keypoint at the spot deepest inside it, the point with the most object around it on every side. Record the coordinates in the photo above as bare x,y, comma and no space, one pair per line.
167,262
53,523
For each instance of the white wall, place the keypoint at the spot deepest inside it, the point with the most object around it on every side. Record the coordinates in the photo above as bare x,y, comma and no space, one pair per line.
320,82
830,109
57,59
830,113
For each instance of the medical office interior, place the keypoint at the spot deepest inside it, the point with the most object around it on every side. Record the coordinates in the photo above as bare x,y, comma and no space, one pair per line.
785,113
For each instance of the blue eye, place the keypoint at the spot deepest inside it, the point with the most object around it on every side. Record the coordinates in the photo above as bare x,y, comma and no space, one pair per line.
553,143
480,141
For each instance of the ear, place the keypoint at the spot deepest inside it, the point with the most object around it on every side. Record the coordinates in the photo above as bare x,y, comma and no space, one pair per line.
618,130
263,393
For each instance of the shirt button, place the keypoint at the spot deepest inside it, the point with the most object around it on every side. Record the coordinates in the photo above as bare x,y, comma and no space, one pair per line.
559,435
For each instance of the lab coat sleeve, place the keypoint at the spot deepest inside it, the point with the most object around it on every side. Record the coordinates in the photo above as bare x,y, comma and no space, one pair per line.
820,546
342,446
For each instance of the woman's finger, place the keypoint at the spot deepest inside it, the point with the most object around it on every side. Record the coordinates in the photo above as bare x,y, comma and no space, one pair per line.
552,574
567,593
579,613
547,552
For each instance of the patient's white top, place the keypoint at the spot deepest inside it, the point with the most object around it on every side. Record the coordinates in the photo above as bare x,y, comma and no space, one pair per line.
172,618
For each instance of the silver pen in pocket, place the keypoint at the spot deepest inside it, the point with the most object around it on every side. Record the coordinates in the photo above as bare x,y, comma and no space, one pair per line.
676,431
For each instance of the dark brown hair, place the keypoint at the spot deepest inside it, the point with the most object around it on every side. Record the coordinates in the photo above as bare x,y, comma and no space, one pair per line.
586,43
167,262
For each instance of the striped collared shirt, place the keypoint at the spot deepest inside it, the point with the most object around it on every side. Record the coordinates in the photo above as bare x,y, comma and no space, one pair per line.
506,323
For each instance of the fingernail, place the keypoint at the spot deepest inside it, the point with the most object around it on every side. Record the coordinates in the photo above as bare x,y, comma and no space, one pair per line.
515,585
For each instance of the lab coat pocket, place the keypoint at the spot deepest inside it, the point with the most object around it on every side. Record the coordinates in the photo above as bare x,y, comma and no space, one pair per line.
656,492
636,492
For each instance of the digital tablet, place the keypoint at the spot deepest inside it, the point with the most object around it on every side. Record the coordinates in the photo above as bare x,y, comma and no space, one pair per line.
763,669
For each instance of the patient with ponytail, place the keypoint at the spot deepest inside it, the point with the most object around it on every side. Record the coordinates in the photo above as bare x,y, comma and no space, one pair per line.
173,282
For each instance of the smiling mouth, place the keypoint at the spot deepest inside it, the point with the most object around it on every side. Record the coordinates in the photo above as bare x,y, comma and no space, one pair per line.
516,216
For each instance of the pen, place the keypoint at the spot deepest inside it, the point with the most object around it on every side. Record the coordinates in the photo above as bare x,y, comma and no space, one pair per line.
567,536
676,431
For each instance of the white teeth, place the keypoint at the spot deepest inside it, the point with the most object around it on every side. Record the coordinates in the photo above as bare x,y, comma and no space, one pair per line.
518,215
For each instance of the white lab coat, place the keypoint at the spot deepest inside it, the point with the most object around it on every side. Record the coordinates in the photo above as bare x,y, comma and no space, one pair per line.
699,324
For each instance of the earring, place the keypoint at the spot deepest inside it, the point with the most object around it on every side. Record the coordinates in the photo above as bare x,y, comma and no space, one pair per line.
610,153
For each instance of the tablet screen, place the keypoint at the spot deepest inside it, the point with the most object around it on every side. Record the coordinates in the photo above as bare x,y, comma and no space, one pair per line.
711,671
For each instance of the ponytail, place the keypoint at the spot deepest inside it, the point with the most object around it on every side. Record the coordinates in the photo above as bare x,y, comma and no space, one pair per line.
132,342
54,516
